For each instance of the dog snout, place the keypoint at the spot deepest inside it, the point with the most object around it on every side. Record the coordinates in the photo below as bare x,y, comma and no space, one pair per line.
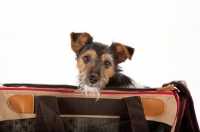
93,79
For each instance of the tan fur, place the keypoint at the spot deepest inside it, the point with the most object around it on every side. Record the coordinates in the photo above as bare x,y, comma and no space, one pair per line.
80,64
110,71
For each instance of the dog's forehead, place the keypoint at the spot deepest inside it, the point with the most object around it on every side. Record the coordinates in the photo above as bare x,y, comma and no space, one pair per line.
99,48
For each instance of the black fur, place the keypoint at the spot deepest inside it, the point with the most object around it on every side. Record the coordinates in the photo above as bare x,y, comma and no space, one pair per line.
120,80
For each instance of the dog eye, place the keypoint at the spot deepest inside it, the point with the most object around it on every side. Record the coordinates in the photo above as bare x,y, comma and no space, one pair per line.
107,64
86,59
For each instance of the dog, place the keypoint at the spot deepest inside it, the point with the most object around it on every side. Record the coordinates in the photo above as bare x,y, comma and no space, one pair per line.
98,63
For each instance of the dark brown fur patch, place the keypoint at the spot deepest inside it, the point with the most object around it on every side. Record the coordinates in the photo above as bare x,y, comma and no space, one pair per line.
121,52
80,41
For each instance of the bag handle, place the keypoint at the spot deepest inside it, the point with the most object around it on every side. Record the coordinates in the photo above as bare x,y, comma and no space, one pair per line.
48,109
47,115
133,119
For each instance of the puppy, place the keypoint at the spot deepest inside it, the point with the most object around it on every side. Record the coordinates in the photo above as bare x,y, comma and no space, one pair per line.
98,63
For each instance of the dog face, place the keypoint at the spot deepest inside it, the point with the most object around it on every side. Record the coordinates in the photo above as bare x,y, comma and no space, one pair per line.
97,62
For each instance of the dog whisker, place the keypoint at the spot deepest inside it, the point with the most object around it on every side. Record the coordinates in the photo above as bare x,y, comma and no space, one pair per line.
87,90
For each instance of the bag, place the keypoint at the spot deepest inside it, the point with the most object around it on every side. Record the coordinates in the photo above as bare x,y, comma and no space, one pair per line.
59,108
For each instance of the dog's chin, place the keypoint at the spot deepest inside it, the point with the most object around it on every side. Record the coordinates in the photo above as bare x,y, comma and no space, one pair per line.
96,85
90,88
92,85
85,85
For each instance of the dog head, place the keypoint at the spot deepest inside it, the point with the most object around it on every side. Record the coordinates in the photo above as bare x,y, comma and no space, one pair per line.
97,62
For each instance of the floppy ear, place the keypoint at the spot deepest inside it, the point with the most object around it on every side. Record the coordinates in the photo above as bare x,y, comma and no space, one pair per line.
122,52
79,40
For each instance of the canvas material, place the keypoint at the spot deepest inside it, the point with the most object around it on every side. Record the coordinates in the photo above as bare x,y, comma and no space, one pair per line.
167,117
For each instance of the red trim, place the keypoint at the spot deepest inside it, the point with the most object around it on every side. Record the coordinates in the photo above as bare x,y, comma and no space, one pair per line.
73,91
182,114
178,107
184,105
137,92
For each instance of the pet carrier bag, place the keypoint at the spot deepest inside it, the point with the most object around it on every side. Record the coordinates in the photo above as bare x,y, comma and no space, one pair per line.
59,108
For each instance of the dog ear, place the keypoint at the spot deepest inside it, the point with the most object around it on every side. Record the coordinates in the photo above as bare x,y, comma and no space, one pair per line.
122,52
79,40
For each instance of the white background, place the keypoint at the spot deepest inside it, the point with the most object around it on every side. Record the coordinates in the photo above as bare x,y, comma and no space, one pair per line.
35,43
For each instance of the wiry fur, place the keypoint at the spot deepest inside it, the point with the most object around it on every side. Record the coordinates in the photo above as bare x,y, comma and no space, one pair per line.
98,63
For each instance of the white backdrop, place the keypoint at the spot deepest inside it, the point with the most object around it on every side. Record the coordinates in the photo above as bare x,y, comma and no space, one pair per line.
35,44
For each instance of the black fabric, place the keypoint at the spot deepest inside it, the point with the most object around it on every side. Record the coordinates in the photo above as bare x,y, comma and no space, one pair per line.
189,121
39,85
158,127
78,124
23,125
47,115
70,124
89,106
136,115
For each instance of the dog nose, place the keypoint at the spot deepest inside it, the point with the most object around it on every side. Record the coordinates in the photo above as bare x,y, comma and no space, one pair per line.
93,79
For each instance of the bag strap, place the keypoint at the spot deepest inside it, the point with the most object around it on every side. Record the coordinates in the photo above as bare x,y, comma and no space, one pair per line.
189,121
49,108
133,119
47,115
